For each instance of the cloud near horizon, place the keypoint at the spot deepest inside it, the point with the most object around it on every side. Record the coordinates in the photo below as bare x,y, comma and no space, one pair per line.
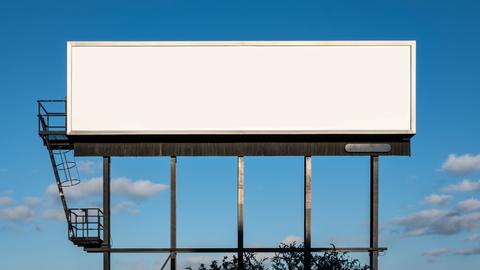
135,190
473,238
5,200
437,252
32,201
54,214
126,206
436,199
31,207
88,166
462,164
464,186
469,205
468,252
17,213
461,218
438,222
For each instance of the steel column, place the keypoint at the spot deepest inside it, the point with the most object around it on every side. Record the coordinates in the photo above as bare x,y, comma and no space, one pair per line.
173,212
106,212
307,208
374,212
240,198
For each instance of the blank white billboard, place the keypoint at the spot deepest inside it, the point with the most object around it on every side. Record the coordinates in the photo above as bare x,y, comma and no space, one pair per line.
349,87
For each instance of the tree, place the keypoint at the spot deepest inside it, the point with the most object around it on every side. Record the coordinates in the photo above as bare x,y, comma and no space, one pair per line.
289,260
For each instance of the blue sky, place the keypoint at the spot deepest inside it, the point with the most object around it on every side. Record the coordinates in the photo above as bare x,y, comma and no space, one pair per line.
429,204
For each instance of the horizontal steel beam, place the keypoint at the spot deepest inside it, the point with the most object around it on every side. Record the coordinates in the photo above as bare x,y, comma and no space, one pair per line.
232,250
145,148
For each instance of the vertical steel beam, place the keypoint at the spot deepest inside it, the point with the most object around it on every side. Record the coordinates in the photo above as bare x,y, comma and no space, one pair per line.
173,212
106,212
240,198
307,209
374,212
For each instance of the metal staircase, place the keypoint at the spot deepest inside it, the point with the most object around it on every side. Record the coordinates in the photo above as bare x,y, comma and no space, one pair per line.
84,224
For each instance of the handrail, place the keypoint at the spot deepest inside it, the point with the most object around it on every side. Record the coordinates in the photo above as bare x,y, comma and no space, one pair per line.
50,111
86,223
87,208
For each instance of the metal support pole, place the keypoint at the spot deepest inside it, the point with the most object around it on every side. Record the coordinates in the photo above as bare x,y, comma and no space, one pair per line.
240,197
307,211
374,212
106,212
173,212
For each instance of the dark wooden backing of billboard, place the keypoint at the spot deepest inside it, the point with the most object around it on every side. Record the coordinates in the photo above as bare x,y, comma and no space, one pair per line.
234,145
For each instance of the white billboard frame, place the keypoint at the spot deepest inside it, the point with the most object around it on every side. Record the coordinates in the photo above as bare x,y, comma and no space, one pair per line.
411,131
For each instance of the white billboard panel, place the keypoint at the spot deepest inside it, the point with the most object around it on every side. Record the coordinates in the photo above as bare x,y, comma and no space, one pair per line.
355,87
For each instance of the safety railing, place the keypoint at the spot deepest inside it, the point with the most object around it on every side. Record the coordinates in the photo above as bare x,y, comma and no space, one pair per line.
86,223
52,123
52,116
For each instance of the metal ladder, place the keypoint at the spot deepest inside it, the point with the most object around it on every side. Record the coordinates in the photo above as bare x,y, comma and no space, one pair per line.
52,130
84,224
65,166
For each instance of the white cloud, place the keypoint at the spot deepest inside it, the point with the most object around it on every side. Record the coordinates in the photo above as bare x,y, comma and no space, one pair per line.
462,164
129,207
468,252
464,186
438,222
436,199
445,251
88,166
17,213
85,189
136,190
436,252
6,201
54,214
31,201
469,205
473,238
